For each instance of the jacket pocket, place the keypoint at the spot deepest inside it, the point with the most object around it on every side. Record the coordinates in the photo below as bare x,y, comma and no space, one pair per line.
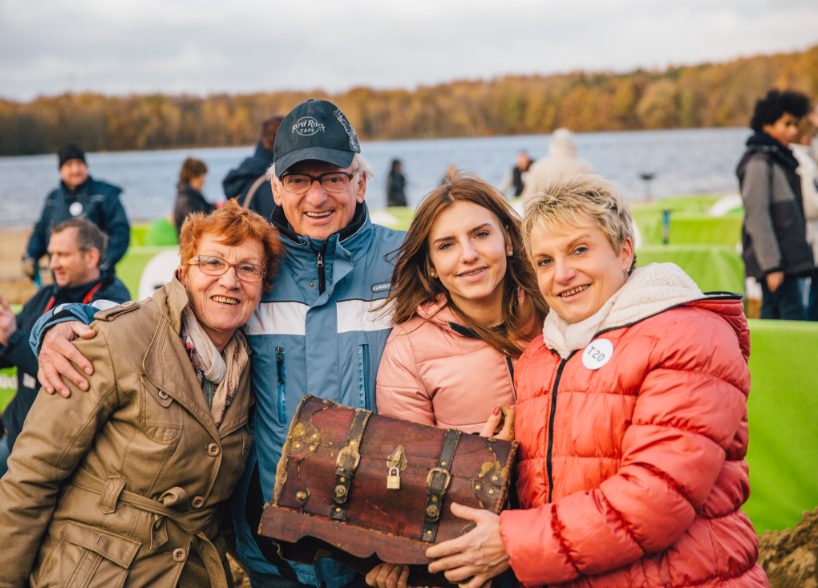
364,375
161,415
86,556
281,389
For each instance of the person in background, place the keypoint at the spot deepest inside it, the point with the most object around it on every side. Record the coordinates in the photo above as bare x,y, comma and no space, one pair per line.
125,483
189,197
802,148
74,255
631,419
80,196
320,330
248,183
451,173
466,305
518,174
396,185
773,234
561,162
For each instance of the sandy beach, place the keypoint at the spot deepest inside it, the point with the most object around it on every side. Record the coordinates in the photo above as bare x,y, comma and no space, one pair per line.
14,286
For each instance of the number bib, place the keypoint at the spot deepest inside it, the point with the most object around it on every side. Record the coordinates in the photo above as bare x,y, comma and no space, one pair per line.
598,353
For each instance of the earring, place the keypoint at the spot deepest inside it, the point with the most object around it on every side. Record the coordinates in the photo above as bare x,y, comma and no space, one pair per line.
509,253
433,273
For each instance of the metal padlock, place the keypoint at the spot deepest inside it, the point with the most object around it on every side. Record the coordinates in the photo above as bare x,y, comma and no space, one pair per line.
393,479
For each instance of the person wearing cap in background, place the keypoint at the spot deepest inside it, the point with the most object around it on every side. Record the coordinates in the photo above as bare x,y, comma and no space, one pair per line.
80,196
320,330
248,182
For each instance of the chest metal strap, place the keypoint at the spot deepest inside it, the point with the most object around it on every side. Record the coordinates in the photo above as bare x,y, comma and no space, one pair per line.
346,464
437,482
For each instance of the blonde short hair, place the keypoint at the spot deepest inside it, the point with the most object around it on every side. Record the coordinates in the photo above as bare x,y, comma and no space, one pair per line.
569,199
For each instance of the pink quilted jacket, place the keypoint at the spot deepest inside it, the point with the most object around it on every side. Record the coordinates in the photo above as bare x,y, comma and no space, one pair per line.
434,373
633,471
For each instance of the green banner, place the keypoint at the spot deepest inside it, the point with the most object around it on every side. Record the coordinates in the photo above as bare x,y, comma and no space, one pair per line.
783,406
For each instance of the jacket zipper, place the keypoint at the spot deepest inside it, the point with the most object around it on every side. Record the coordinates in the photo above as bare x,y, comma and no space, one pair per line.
280,388
322,280
510,366
363,376
548,464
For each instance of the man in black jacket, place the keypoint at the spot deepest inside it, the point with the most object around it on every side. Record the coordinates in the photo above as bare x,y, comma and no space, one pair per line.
775,248
75,252
248,182
80,196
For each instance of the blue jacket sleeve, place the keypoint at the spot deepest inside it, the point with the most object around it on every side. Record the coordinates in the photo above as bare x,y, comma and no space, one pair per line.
60,314
37,243
119,233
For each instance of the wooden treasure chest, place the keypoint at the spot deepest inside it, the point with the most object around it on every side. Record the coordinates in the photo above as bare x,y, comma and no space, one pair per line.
365,488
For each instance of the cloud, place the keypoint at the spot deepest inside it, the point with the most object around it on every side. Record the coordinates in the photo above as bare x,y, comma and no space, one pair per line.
174,46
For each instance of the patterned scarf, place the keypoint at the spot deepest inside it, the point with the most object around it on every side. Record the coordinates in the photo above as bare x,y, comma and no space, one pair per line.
218,373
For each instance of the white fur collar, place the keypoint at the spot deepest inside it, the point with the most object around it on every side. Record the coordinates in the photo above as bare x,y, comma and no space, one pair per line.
648,291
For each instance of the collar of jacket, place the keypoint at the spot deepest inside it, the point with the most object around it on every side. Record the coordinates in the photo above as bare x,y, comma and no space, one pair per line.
764,143
346,236
440,312
81,189
78,292
187,189
263,154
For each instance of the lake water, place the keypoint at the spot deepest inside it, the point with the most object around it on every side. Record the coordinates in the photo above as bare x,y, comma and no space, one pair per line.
689,161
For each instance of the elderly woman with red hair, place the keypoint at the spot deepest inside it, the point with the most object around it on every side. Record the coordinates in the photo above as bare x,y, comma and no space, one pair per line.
125,482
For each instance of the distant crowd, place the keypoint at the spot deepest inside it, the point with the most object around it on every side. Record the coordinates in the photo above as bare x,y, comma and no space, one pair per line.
154,443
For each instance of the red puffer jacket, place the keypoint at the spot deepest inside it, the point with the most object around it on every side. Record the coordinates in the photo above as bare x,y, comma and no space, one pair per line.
632,465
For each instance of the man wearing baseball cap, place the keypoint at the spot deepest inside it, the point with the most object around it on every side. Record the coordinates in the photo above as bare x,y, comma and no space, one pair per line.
320,330
80,196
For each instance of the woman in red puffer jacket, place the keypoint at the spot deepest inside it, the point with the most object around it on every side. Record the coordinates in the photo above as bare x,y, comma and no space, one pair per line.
631,418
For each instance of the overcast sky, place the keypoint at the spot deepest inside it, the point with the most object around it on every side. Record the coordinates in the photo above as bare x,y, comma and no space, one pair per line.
237,46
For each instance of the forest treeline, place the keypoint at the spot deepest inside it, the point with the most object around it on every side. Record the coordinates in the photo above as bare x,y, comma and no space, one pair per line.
705,95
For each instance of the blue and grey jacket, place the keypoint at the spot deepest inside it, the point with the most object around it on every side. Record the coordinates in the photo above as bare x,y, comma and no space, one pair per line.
320,331
96,201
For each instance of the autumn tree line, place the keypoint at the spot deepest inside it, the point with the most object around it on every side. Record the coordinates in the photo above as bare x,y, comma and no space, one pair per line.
705,95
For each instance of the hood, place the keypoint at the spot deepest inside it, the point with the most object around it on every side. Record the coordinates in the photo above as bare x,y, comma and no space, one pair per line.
562,144
769,147
658,287
649,291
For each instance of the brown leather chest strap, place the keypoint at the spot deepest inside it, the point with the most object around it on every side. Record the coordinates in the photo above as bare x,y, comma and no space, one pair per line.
346,464
437,482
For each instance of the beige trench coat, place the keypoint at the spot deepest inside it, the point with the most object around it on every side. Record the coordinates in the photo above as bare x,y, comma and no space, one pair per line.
125,483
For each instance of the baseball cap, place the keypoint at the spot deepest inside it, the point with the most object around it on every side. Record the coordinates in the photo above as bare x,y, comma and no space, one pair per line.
315,129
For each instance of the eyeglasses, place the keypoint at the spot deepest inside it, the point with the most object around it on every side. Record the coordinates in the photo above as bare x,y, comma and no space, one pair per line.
331,182
215,266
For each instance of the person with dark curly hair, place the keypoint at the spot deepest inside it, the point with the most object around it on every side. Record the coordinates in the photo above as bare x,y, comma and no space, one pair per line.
775,248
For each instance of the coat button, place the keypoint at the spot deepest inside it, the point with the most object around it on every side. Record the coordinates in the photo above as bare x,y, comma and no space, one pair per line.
163,395
213,449
179,554
197,502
